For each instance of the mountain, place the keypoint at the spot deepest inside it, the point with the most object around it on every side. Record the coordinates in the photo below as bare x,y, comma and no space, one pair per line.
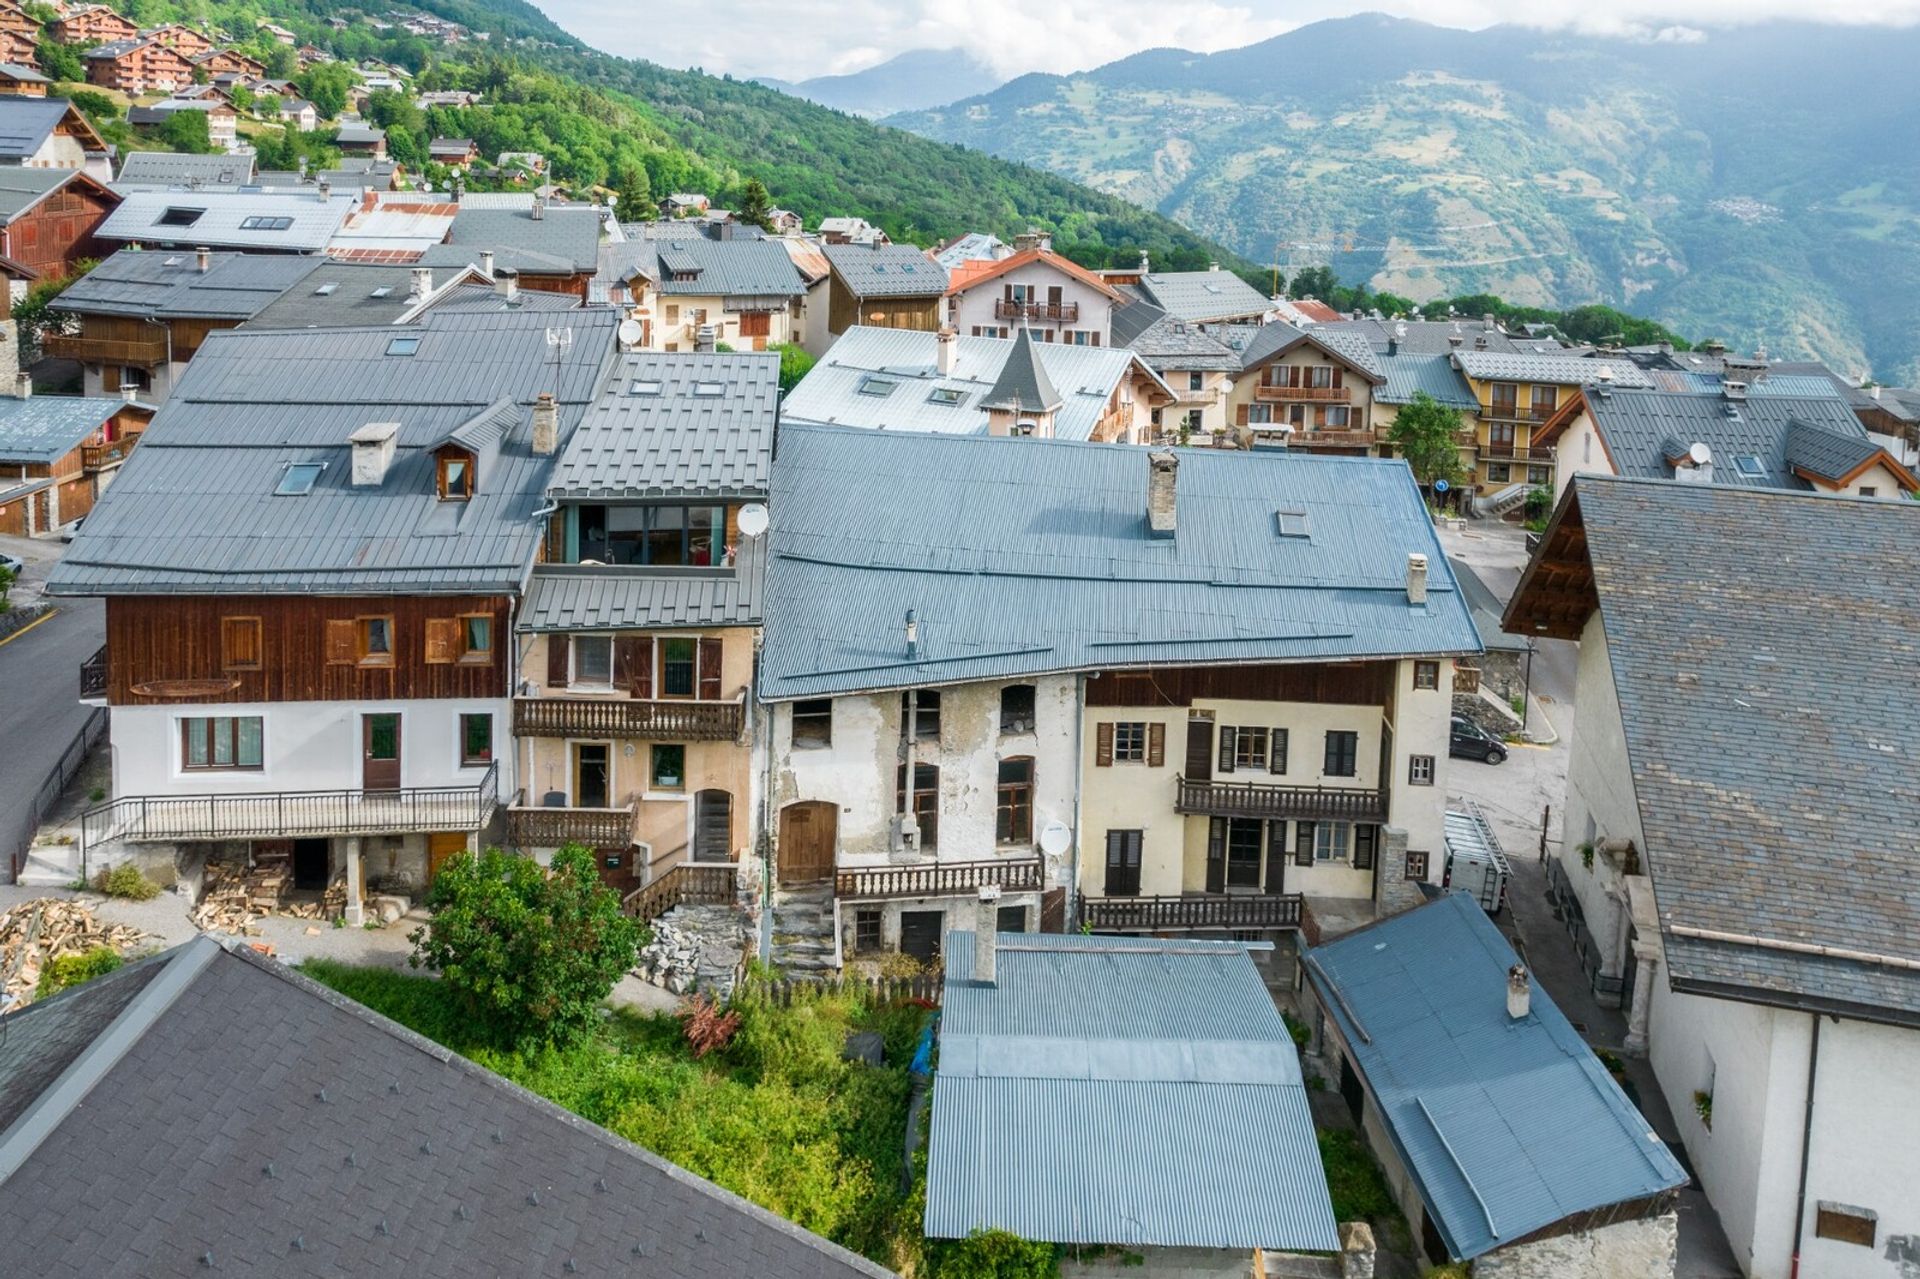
912,81
1754,184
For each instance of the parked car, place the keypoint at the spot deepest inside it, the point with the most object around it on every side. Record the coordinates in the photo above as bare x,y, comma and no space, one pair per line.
12,564
1470,741
67,533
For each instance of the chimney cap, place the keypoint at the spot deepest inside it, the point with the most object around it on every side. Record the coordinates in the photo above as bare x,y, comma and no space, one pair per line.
374,433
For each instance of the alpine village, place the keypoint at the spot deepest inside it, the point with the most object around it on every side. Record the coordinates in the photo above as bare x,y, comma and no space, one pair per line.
561,725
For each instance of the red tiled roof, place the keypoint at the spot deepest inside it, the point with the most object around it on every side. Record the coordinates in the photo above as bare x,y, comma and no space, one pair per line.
968,274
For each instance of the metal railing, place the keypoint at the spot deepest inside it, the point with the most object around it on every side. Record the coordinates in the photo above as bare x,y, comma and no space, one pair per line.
1208,910
77,346
1255,799
1317,394
686,720
689,883
282,814
1063,312
93,675
1507,448
535,827
940,879
1519,413
25,818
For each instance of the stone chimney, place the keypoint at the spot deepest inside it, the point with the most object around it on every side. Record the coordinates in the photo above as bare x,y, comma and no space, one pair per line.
539,207
23,386
1416,578
986,937
507,284
546,426
1163,469
1454,340
203,260
945,344
1519,992
422,283
373,452
486,263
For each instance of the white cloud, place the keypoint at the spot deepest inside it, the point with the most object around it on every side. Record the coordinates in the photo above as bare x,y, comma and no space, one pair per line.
795,39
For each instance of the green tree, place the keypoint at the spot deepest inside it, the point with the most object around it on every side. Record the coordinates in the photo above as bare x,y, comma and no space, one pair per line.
1315,282
326,85
1427,434
755,205
795,364
530,950
242,98
633,202
187,131
61,61
281,62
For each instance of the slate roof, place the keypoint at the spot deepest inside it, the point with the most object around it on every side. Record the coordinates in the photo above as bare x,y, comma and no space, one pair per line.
566,241
1133,319
1197,296
1421,337
193,510
1564,370
240,1110
744,268
144,169
1276,339
1023,385
1158,1092
21,187
1505,1126
25,123
45,428
886,270
223,214
1642,430
22,75
1829,454
1408,375
1030,556
1731,617
168,284
1169,344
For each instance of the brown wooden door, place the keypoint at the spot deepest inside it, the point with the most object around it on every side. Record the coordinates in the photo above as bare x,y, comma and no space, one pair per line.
380,752
443,847
808,833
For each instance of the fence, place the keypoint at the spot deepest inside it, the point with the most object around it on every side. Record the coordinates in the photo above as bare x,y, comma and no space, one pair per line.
27,821
921,988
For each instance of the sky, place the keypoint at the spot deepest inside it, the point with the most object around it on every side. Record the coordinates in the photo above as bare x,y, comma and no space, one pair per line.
796,39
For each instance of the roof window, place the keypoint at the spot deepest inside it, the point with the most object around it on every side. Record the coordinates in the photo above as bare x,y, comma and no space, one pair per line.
327,290
179,217
298,479
258,223
708,390
878,387
385,290
643,386
1293,523
404,345
1750,465
946,395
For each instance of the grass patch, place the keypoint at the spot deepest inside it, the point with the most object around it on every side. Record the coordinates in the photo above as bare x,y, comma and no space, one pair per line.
1359,1191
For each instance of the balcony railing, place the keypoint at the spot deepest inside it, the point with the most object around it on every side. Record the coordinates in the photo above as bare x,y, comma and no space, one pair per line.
285,814
75,346
940,879
1209,910
1317,394
689,883
1254,799
1507,448
93,675
1062,312
536,827
679,721
1520,412
1330,439
95,456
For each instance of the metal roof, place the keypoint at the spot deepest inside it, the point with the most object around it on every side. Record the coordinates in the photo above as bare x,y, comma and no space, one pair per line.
564,240
1643,430
193,510
476,297
886,270
672,424
168,168
565,597
1829,454
1407,375
1121,1091
1424,337
1562,370
1197,296
339,294
228,219
739,267
974,246
1029,556
1023,385
24,75
21,187
26,122
45,428
170,284
1506,1126
364,1148
1485,608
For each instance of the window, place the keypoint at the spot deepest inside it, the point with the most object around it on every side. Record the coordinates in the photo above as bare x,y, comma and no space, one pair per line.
709,390
1129,742
257,223
1416,864
1343,749
1339,416
298,479
1015,825
476,638
643,386
1539,475
456,477
1330,841
1196,381
179,217
1010,919
1545,400
1193,419
687,536
1260,415
1293,523
1497,472
1426,674
592,661
925,801
949,395
1016,708
669,767
1243,748
924,723
476,740
406,345
1846,1224
376,641
1123,863
220,742
813,724
878,387
1868,490
866,929
1749,465
677,667
132,375
1420,770
240,644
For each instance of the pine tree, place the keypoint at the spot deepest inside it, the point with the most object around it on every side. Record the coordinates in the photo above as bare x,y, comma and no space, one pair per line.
756,207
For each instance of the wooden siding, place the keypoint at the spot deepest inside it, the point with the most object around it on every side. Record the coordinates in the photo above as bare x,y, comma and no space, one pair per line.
1351,684
154,638
844,311
58,232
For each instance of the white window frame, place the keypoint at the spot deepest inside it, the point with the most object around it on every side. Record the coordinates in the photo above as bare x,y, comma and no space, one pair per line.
1332,842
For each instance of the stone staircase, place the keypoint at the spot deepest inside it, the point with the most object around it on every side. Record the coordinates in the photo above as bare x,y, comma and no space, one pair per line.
1494,505
803,930
50,865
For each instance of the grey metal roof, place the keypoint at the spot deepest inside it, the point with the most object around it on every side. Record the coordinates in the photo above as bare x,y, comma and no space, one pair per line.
26,122
168,168
483,298
170,284
46,428
21,187
1565,370
563,597
1486,609
1426,337
364,133
1197,296
1830,454
676,424
1507,1126
746,268
1121,1091
1407,375
1023,385
264,1121
886,270
975,246
339,294
1279,337
563,241
1029,556
1169,344
194,511
1732,616
25,75
1642,430
222,218
1134,318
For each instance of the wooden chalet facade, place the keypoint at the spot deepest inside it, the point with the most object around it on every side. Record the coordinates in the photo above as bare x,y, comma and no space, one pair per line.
55,233
38,496
138,66
229,62
92,23
21,81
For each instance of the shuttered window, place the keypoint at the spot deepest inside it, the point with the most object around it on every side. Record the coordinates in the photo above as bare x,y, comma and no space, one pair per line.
1277,750
240,648
1365,839
710,655
340,641
1014,819
476,638
443,638
1343,753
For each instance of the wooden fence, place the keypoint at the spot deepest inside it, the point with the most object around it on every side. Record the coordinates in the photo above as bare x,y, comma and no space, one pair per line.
924,988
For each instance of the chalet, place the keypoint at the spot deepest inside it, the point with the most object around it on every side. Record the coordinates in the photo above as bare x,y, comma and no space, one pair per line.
809,258
785,222
228,61
223,122
1037,290
885,286
362,140
58,453
553,249
1409,376
1198,368
159,170
138,66
1304,311
259,222
48,218
692,293
455,153
1204,297
847,231
1527,401
683,204
1306,389
362,686
279,34
20,81
92,23
49,133
1757,920
298,113
19,28
446,98
190,41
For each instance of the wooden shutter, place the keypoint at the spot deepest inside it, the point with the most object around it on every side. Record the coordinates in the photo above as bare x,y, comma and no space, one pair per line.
1277,856
1217,855
1240,414
443,640
1277,750
1199,750
1229,735
1303,843
558,648
1336,376
340,642
1364,838
1156,745
710,669
1103,744
240,643
633,664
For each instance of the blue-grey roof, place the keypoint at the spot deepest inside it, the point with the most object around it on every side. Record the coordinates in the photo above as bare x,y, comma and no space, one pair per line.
738,267
1558,368
1408,375
1196,296
170,284
1277,338
25,123
1645,430
1028,556
562,241
147,169
194,511
1485,608
21,187
886,270
1122,1091
565,597
975,246
1506,1126
341,294
228,219
1828,454
45,428
1169,344
1023,385
477,297
1426,337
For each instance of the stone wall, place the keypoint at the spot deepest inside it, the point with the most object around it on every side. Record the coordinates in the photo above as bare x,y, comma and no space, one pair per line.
1625,1250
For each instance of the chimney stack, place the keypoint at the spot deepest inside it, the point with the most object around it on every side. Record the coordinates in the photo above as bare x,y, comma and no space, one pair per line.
326,190
1146,266
1416,578
539,207
986,939
372,452
913,635
945,343
203,260
422,283
1519,992
704,339
546,426
23,386
130,393
486,263
507,284
1162,469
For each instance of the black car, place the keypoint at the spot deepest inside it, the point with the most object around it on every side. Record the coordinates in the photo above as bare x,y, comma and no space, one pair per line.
1470,741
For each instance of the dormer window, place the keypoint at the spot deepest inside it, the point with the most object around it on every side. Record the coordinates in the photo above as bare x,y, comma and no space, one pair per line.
455,475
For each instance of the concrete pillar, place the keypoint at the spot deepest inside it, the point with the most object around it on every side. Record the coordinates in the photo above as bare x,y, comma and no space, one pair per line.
1647,972
356,913
1356,1250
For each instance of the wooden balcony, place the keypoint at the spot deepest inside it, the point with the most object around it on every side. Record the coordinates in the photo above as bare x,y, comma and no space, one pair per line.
1312,394
940,879
75,346
95,457
681,720
530,826
1256,799
689,884
1058,312
1520,413
1313,438
290,814
1190,911
1526,452
93,676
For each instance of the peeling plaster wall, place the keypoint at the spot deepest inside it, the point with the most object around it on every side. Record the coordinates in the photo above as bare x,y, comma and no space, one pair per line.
1625,1250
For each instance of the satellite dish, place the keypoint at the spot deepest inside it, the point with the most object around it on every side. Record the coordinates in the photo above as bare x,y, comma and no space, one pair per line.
753,519
630,332
1055,838
1699,454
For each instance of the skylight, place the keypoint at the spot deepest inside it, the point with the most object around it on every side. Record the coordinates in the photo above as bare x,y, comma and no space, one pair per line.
327,290
179,217
946,395
258,223
877,386
709,389
643,386
298,479
404,345
1749,465
1293,523
385,290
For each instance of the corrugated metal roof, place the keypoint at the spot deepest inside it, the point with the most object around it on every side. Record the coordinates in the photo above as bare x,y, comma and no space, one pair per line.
340,294
45,428
221,219
1563,370
1748,437
575,598
1829,454
1506,1126
1121,1091
1197,296
485,298
1407,375
886,270
168,168
1024,556
170,284
731,268
676,424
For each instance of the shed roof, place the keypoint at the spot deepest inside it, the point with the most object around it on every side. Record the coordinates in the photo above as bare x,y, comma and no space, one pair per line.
1408,375
886,270
228,219
170,285
1158,1096
45,428
1507,1126
564,597
1197,296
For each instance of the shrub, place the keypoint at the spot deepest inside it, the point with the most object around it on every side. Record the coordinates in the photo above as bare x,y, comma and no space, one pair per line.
1353,1179
72,970
1302,1033
125,880
707,1028
991,1254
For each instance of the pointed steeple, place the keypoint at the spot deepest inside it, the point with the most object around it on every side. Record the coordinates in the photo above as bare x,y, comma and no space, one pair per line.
1023,386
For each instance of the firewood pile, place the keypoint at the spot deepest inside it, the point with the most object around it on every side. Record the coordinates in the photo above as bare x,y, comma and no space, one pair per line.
237,895
35,933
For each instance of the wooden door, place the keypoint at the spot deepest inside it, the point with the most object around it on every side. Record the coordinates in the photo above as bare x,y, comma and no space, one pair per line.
1123,863
713,826
380,751
443,847
808,833
592,775
1217,855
